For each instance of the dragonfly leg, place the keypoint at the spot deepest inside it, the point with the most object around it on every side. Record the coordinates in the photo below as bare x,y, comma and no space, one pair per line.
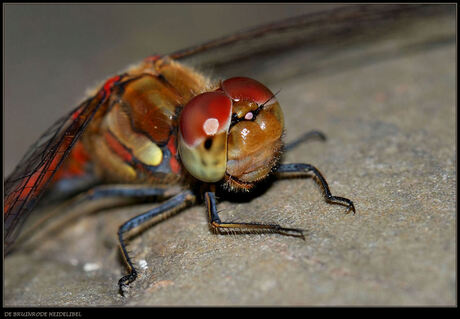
304,169
303,138
223,227
166,209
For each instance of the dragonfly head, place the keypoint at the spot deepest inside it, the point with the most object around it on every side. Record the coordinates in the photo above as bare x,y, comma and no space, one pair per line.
232,134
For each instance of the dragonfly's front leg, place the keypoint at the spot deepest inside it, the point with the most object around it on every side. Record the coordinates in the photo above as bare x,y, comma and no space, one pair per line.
305,169
166,209
305,138
224,227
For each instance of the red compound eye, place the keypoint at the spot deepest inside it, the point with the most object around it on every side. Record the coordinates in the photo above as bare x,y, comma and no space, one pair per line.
241,88
205,115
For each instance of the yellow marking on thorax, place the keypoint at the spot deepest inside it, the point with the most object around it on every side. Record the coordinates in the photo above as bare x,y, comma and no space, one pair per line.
141,146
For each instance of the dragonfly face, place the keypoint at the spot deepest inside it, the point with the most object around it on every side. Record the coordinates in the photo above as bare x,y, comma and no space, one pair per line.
233,133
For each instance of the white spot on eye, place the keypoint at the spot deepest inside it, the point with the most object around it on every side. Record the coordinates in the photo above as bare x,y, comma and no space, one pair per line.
249,116
244,132
210,126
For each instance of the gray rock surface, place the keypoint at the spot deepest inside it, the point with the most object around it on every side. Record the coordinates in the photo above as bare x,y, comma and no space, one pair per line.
391,148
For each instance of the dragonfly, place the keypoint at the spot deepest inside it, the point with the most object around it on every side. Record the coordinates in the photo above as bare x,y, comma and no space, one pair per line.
162,129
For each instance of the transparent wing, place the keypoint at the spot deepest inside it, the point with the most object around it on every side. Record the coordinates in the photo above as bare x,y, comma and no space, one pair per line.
317,35
25,185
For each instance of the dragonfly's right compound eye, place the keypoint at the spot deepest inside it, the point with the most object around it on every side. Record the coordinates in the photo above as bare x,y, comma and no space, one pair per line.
203,129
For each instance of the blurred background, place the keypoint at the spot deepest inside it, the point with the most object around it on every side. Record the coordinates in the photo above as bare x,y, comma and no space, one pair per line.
384,94
53,53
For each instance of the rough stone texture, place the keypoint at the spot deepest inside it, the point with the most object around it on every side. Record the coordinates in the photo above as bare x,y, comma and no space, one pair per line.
391,127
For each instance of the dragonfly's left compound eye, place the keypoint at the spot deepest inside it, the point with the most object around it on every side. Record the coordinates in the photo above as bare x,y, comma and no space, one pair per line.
203,129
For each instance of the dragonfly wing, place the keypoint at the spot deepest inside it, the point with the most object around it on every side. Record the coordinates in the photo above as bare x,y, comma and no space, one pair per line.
247,52
25,185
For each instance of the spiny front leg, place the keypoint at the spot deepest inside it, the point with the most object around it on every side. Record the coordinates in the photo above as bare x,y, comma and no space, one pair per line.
223,227
304,169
